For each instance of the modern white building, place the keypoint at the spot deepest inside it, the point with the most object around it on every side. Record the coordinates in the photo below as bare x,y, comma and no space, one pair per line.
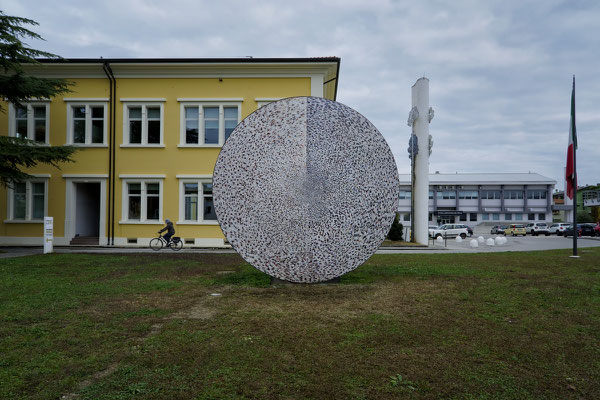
476,198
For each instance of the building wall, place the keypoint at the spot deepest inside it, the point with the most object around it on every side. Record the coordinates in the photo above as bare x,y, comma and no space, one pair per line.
167,163
481,210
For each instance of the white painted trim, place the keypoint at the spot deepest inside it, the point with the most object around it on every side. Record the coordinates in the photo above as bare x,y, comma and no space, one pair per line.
86,176
144,180
214,223
184,176
201,134
145,146
91,145
23,221
199,146
12,123
316,85
135,222
87,99
144,105
88,124
212,99
71,204
143,100
142,176
37,178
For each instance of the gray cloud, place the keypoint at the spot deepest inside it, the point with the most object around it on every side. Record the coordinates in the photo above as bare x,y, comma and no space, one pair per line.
500,71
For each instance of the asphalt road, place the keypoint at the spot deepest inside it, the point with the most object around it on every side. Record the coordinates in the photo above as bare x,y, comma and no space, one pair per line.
518,243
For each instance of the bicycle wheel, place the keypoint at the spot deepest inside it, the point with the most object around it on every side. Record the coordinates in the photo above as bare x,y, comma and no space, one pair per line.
156,244
177,246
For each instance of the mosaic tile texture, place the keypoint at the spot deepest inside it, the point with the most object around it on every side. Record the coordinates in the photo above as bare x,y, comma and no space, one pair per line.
305,189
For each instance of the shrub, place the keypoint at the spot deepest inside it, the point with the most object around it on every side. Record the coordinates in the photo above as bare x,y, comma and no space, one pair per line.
395,232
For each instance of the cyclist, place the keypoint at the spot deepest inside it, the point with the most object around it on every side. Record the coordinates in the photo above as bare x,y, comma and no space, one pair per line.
170,231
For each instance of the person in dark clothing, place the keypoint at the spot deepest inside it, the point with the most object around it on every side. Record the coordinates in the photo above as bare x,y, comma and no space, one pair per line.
170,231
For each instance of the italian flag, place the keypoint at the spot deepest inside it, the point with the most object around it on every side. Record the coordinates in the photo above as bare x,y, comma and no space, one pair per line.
570,170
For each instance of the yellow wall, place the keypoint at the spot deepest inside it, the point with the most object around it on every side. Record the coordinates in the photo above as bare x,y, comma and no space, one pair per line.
169,161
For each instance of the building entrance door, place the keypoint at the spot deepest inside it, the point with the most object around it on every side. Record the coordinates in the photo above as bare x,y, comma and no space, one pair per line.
446,220
87,213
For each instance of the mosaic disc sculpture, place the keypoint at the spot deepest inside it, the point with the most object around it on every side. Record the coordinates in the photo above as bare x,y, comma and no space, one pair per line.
305,189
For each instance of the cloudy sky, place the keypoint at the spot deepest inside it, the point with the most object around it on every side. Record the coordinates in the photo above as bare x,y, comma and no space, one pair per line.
500,71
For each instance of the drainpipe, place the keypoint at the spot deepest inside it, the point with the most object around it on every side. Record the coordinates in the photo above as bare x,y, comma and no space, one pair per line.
111,153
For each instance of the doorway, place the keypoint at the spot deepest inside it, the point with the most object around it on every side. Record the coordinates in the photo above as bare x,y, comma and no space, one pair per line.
87,213
445,220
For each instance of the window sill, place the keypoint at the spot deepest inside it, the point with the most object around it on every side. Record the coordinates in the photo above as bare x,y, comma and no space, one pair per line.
200,146
130,222
87,144
143,146
214,223
23,221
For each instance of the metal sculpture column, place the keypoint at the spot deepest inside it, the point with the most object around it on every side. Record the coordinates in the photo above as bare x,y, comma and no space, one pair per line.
419,118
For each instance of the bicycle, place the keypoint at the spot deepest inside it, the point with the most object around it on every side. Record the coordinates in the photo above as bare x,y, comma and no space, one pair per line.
159,242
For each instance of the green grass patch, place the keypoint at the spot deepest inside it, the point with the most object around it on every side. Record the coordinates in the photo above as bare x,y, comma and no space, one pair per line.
475,326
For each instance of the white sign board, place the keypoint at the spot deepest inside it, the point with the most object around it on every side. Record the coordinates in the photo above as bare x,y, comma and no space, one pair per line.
48,234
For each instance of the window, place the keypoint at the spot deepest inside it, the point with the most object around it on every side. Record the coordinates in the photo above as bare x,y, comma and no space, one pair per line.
473,217
405,194
542,217
485,216
513,194
536,194
468,194
496,217
143,124
431,195
446,195
208,123
518,217
27,201
87,124
406,217
30,121
142,201
508,217
463,217
490,194
196,201
531,217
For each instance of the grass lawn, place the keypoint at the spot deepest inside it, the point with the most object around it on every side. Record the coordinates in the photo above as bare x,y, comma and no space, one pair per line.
475,326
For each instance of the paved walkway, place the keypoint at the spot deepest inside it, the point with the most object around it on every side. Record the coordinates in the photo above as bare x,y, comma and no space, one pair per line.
519,243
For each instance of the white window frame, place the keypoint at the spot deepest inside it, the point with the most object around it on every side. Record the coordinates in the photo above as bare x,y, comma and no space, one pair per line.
88,123
199,180
405,194
183,103
144,104
28,201
263,101
12,121
143,181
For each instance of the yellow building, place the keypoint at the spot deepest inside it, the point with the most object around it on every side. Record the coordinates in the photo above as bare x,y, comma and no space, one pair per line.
148,132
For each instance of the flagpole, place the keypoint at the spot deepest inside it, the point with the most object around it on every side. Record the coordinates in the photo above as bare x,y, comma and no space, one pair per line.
573,127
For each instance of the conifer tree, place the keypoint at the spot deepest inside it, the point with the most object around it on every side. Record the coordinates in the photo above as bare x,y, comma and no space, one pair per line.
17,87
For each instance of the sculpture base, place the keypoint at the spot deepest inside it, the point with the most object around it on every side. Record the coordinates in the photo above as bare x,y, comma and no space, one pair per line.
277,281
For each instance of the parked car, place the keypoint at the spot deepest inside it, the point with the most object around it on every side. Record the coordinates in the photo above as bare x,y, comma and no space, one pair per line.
536,228
498,229
597,229
450,230
582,229
515,230
558,228
431,228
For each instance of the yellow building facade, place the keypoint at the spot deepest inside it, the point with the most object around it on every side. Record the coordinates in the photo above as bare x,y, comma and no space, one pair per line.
148,133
